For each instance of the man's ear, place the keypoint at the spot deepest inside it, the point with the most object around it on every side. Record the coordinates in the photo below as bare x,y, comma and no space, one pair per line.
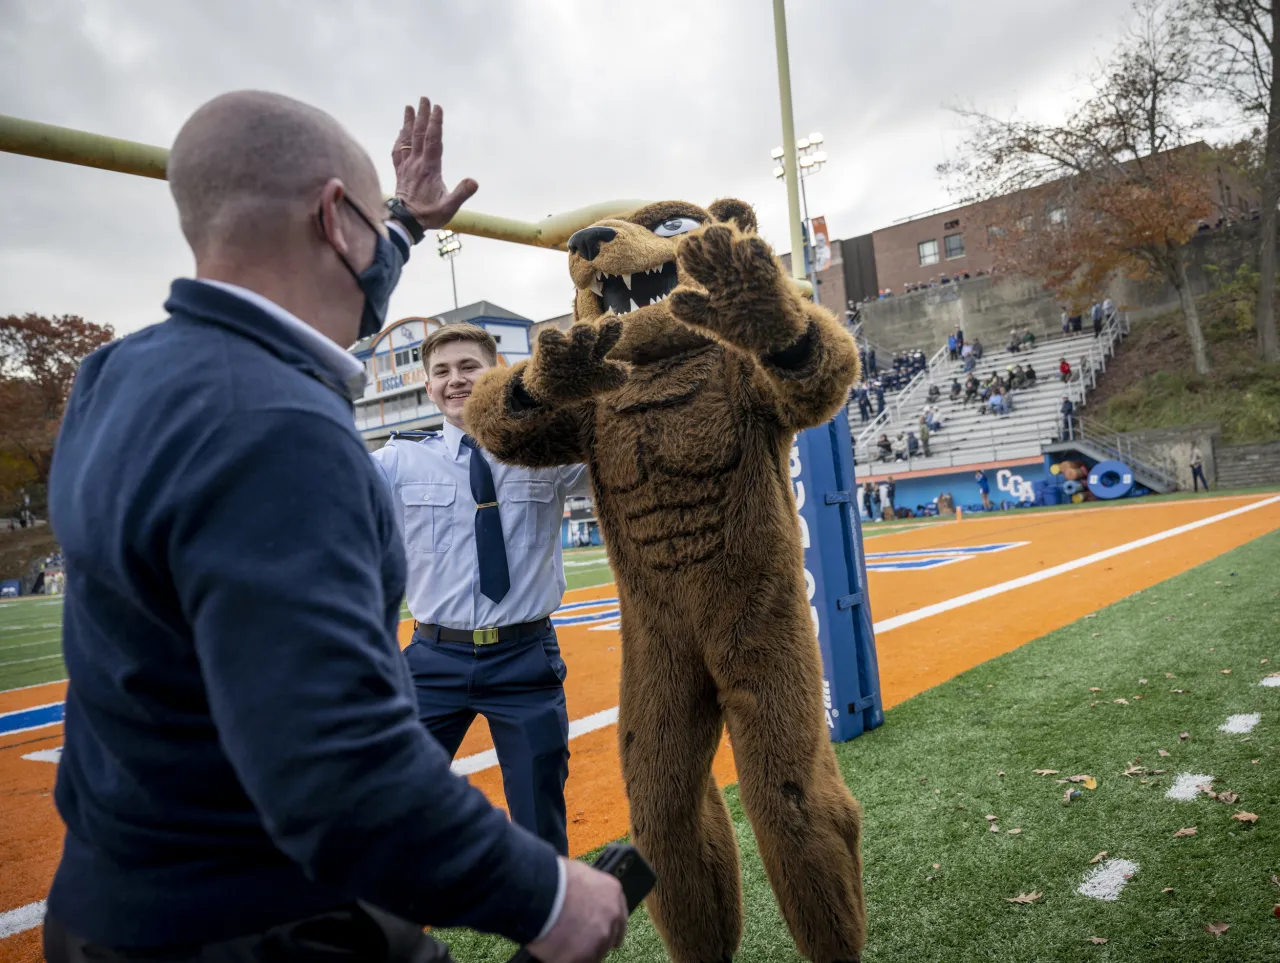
739,212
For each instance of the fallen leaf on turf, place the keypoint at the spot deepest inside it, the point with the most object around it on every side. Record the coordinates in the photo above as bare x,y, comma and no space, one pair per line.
1071,794
1121,702
1217,929
1161,752
1180,691
1276,880
1014,832
1095,635
1170,675
1024,897
1090,783
992,819
1097,940
1045,772
1184,736
1098,858
1226,671
1157,772
1137,697
1000,772
1078,778
1133,771
1255,761
937,866
1167,889
1263,661
1094,689
1245,817
1142,682
1189,831
994,828
1225,797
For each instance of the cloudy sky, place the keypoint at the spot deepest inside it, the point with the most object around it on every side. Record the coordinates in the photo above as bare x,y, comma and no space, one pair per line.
550,104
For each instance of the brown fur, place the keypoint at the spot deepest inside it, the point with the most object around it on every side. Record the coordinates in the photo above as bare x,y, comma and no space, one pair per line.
687,442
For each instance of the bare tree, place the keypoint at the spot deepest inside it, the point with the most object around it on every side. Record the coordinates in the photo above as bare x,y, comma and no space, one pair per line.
1117,186
1238,49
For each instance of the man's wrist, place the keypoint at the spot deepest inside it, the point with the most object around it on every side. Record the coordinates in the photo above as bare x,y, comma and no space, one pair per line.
558,904
401,215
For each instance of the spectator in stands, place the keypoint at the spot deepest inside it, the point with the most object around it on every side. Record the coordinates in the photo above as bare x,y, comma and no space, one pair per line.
1015,341
864,402
932,417
1108,309
970,363
913,444
997,400
877,389
952,347
1076,322
1031,376
984,488
970,389
1066,323
977,349
871,361
1029,338
885,448
1197,469
924,436
1018,377
1095,314
959,337
900,449
966,352
934,393
1066,409
956,390
1064,370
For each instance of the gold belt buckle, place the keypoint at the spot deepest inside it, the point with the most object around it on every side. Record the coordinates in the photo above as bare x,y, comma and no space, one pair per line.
484,636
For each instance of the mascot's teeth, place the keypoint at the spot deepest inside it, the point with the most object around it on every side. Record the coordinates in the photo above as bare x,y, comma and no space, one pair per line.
634,306
626,279
597,286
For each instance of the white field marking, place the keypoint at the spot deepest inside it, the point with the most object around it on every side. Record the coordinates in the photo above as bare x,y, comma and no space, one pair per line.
1240,724
34,685
1186,786
27,645
1108,879
21,919
30,628
43,658
578,727
990,591
53,755
1271,681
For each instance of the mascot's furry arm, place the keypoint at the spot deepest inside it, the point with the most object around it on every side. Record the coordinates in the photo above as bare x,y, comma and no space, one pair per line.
806,360
539,413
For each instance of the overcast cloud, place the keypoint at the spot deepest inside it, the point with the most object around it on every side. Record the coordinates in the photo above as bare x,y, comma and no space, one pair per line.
550,104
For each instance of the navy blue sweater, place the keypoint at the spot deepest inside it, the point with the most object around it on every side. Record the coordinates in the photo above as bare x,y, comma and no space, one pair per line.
242,743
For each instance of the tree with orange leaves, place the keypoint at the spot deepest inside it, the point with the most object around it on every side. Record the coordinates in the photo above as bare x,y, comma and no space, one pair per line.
39,358
1117,187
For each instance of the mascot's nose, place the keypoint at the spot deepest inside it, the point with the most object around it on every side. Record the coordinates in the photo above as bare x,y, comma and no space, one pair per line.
586,243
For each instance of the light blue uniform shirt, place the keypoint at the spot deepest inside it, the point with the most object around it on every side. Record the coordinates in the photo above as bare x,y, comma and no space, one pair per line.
431,484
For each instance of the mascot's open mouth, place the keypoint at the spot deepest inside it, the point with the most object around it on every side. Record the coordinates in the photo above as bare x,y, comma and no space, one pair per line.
624,293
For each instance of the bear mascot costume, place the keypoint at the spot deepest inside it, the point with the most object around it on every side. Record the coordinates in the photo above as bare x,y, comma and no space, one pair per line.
690,367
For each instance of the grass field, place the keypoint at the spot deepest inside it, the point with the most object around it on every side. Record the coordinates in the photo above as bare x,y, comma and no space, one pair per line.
933,773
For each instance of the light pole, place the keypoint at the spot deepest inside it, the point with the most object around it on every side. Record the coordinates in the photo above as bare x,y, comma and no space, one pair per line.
810,159
448,245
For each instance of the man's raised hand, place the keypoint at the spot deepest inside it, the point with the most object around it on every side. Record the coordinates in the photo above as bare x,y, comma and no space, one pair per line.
417,157
572,367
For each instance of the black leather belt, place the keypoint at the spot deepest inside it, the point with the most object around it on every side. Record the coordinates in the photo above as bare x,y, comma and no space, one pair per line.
501,633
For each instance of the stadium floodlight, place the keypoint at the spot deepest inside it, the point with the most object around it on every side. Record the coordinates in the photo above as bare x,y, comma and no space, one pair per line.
802,143
815,139
779,171
448,245
777,153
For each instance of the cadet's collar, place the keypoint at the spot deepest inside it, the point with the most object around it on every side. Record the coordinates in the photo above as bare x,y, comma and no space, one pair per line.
453,438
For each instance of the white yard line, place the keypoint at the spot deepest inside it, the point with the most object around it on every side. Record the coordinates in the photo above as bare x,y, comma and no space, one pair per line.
1187,786
991,591
1240,724
1271,681
21,919
1106,880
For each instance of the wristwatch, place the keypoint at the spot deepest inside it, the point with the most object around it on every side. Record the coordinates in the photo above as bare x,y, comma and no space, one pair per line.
410,223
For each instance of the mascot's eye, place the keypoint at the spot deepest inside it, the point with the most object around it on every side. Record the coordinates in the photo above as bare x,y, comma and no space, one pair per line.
676,225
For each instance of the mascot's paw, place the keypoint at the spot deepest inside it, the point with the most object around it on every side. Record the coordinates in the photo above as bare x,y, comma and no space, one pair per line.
572,367
746,300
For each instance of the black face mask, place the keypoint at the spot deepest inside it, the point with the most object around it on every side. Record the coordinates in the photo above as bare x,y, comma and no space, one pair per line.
377,281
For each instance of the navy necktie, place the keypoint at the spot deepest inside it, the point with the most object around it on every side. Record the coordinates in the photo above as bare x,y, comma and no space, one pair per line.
491,550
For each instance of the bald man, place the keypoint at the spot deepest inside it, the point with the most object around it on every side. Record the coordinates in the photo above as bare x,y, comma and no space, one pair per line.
244,776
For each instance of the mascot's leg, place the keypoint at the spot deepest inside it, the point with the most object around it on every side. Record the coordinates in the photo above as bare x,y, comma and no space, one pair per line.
806,822
669,728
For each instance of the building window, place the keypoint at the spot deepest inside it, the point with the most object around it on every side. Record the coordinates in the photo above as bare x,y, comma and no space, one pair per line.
384,363
1024,223
928,252
954,246
1057,215
402,358
951,225
995,232
416,353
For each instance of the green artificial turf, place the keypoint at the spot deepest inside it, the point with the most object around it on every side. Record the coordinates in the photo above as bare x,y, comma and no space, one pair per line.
928,778
30,642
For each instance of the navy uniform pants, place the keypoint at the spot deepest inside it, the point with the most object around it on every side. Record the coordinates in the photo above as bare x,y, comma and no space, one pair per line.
518,686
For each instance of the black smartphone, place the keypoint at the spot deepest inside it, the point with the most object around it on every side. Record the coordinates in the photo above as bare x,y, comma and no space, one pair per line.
624,862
